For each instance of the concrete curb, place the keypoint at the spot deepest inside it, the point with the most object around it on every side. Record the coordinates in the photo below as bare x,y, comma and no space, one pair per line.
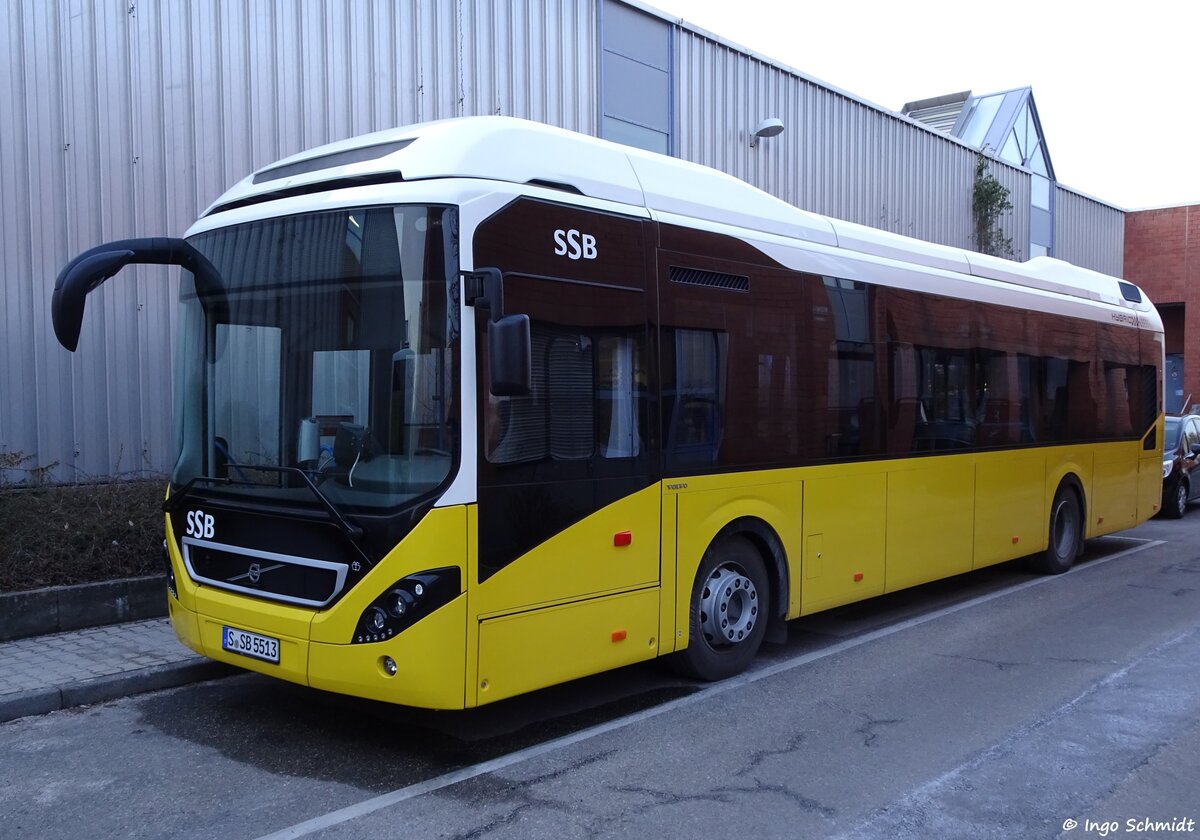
43,700
60,608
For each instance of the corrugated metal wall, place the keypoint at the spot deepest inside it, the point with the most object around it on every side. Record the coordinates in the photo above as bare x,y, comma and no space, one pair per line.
1089,233
121,118
837,156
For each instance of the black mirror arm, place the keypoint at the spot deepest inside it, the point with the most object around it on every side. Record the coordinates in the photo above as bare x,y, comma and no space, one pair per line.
86,272
485,287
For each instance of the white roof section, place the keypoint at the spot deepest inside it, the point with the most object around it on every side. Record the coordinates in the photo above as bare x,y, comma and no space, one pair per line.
523,152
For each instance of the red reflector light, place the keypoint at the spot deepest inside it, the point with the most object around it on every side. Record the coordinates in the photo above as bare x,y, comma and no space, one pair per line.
858,576
618,635
622,538
1016,540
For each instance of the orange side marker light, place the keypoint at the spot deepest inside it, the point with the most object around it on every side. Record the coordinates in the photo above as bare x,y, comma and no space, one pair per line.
1016,540
618,636
622,538
858,576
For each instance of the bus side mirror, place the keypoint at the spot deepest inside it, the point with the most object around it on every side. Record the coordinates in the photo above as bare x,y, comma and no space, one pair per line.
73,285
509,356
508,335
83,274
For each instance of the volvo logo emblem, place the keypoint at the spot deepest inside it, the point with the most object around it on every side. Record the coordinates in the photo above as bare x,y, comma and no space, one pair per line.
254,573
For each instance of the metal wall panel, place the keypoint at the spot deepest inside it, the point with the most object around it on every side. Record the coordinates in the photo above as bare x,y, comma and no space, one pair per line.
122,119
837,156
1089,233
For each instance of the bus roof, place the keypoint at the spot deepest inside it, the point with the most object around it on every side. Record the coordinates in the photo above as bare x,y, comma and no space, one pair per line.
524,152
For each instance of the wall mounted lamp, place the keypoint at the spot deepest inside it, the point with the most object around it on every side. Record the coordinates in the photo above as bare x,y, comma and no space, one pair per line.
767,128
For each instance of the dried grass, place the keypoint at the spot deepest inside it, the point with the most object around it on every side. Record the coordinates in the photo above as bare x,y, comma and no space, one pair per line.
79,533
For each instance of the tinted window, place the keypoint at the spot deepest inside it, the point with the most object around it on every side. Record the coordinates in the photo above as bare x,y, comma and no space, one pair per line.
1192,435
736,392
1171,436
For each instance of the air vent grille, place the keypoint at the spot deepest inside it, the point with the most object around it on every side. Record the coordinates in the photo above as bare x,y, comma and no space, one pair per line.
712,279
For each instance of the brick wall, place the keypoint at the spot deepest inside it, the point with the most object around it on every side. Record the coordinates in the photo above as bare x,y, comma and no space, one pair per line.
1162,255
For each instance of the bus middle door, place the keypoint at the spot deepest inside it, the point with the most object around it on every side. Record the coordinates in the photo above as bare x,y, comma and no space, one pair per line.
568,507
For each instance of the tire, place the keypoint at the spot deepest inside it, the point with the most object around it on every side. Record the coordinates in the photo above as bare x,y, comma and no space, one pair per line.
729,611
1066,534
1175,506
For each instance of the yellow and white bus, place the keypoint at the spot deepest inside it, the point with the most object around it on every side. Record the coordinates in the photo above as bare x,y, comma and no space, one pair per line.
473,407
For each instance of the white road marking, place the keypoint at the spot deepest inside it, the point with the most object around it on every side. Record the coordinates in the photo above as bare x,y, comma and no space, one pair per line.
368,806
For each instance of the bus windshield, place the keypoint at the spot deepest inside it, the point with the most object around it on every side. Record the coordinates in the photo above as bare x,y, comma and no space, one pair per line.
334,351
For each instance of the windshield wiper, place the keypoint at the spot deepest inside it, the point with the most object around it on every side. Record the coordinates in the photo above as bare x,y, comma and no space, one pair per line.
353,532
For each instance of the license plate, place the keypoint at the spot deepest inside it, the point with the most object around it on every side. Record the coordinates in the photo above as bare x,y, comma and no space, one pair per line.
245,643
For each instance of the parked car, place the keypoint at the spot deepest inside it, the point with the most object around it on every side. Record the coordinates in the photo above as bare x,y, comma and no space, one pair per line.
1181,453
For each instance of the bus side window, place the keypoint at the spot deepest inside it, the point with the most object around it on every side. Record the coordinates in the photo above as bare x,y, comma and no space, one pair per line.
905,411
555,420
569,386
516,426
588,400
694,407
620,397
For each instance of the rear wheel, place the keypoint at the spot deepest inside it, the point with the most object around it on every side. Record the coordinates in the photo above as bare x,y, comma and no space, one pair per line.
1066,534
729,611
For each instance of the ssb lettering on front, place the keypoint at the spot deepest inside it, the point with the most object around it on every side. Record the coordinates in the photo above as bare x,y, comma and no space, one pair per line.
201,525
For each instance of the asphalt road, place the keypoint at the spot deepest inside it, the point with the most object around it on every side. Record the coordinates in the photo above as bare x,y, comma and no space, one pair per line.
1000,704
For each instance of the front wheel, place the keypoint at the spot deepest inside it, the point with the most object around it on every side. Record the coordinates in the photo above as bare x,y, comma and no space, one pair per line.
729,611
1066,534
1176,505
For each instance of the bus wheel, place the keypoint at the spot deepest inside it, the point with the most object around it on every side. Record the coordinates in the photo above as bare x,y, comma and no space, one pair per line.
729,611
1065,534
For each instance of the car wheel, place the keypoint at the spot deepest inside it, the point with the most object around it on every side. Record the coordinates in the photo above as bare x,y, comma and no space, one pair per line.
728,615
1066,534
1181,500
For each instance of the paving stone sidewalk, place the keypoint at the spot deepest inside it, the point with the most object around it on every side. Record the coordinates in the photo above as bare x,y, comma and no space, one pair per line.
41,674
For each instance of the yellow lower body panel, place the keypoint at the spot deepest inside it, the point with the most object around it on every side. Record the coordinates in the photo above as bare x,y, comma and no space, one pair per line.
184,622
844,556
535,649
1010,505
1114,490
430,660
930,508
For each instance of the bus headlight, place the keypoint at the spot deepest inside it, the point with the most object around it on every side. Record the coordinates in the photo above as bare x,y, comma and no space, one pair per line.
399,600
406,602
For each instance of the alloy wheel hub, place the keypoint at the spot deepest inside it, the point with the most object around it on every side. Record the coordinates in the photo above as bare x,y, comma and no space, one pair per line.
728,607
